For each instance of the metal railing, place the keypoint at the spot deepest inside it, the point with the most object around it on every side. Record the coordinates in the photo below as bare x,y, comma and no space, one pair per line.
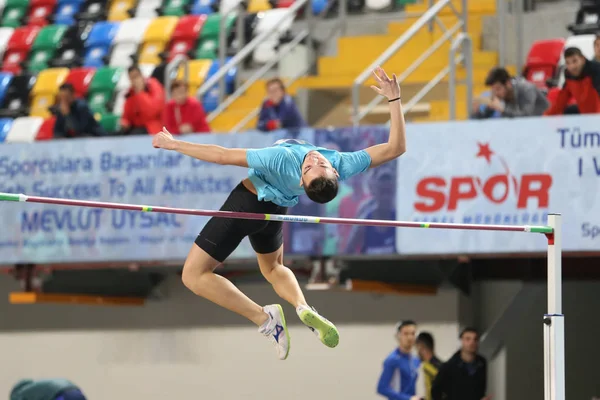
428,18
305,34
464,42
171,72
246,50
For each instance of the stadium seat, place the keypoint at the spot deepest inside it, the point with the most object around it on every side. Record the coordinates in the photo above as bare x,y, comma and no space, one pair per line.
147,69
44,47
46,131
378,5
5,80
266,21
255,6
2,4
45,90
207,49
24,129
197,69
18,48
147,8
71,52
80,78
65,12
156,37
5,125
203,7
102,88
542,61
186,34
40,11
175,8
14,12
98,43
92,11
119,10
210,100
5,34
210,29
357,6
285,3
16,100
226,5
125,44
110,122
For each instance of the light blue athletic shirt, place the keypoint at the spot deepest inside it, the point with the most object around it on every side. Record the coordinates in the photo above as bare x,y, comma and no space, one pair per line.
275,171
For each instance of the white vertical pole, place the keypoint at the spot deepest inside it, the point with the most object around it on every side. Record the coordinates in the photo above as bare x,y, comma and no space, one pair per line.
554,328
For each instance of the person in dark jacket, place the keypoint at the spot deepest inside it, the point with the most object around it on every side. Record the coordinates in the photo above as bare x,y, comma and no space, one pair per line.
46,389
582,82
73,116
278,110
464,376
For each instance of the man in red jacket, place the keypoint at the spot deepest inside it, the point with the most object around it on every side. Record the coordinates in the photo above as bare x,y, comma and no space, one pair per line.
144,104
582,82
183,113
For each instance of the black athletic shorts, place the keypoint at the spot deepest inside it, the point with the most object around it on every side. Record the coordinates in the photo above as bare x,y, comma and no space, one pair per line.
221,236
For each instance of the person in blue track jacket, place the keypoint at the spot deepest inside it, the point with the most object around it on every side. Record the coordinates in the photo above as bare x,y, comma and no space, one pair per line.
398,379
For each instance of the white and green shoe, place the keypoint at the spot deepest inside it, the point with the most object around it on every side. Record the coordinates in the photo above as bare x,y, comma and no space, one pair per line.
275,329
321,326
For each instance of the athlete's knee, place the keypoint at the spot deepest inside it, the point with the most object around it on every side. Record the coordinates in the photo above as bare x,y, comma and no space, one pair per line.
197,264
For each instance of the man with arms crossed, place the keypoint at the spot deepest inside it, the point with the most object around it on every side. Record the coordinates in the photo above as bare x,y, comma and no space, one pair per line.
277,176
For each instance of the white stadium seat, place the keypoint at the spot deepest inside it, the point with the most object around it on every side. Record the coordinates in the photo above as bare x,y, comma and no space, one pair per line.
24,130
5,34
265,21
132,30
378,5
120,55
147,8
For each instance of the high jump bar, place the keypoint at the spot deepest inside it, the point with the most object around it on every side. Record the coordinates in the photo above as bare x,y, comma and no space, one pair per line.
275,217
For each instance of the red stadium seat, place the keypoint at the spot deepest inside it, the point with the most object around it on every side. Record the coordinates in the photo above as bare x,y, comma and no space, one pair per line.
542,61
46,131
18,48
39,11
186,34
80,78
285,3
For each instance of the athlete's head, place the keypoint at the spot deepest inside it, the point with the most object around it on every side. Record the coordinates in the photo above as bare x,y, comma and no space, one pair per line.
319,178
405,334
574,61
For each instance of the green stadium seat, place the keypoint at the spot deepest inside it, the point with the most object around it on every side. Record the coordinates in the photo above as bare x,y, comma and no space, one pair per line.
175,8
45,46
102,89
210,29
110,122
14,12
207,49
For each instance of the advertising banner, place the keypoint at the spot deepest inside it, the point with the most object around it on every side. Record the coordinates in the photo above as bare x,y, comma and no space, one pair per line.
500,172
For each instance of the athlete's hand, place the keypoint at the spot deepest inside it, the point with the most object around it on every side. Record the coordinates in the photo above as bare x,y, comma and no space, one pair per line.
386,86
163,140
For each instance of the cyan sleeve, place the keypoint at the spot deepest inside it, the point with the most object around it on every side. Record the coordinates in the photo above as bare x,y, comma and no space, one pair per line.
353,163
383,386
265,160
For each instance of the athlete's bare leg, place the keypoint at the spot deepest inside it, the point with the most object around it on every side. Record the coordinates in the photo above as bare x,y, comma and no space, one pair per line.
198,276
281,277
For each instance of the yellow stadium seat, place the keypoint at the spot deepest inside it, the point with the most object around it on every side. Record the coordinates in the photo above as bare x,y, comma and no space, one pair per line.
49,80
197,73
150,51
160,29
256,6
40,104
118,10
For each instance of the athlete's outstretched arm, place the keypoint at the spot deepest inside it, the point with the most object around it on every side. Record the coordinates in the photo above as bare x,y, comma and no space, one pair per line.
206,152
396,144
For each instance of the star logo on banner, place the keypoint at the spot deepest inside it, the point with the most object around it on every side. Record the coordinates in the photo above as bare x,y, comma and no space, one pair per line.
485,152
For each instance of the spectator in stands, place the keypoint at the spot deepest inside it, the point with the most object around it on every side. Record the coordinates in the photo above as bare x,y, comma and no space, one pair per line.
402,363
582,82
183,113
597,48
144,104
512,97
279,110
73,116
464,376
431,364
46,389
